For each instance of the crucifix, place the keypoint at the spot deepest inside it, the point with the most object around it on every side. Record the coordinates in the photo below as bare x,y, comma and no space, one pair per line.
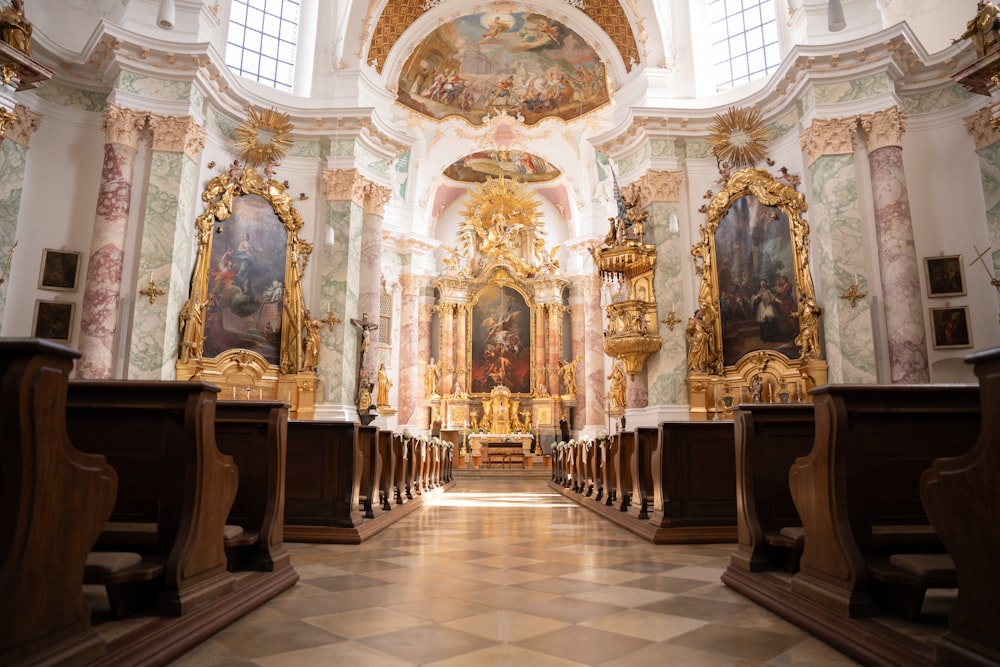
366,328
979,258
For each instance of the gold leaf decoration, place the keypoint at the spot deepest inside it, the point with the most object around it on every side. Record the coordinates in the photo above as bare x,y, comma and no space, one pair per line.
738,137
264,137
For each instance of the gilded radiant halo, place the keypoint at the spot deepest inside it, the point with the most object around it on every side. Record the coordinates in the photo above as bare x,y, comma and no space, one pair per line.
738,137
265,137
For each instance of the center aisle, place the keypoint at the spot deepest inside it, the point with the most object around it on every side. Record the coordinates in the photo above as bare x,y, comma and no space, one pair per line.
502,571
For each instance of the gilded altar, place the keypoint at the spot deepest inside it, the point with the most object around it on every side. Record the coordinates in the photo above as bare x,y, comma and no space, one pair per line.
755,336
244,326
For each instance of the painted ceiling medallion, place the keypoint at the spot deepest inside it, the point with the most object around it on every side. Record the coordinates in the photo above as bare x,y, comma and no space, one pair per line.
738,138
265,137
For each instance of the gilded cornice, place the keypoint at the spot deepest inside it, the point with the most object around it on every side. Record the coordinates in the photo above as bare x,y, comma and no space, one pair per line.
884,128
833,136
370,196
664,185
338,183
398,15
22,125
177,134
983,132
122,125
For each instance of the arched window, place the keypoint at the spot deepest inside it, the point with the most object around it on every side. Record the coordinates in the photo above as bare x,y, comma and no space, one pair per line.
260,44
744,37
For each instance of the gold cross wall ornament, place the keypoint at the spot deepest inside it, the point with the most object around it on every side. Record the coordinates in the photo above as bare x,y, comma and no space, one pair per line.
671,320
853,293
152,291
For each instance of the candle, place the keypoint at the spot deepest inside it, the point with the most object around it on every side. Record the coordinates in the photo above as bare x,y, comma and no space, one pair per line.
234,393
855,278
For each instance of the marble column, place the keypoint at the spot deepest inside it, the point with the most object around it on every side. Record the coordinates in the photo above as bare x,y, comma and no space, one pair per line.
20,125
168,231
461,341
426,315
446,314
372,198
577,345
897,254
593,342
410,355
555,311
837,249
987,141
539,349
99,311
340,269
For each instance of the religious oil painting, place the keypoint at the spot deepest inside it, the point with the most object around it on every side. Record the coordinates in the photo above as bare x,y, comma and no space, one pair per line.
950,327
477,167
756,278
500,332
60,270
945,276
246,281
527,64
53,320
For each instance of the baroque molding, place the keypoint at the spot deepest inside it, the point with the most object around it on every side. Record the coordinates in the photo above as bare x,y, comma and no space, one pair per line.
412,283
338,183
833,136
884,128
983,132
22,125
591,285
665,185
122,125
370,196
177,134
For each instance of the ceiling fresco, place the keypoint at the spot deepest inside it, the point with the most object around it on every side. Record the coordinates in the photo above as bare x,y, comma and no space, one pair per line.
476,167
524,63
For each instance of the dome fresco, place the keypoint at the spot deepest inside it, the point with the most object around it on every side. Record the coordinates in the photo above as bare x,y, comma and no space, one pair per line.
525,63
477,166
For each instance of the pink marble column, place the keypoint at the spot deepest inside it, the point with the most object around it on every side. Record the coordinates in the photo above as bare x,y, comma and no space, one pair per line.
409,349
446,333
426,312
593,345
99,312
555,311
637,389
461,356
372,198
577,345
539,351
897,255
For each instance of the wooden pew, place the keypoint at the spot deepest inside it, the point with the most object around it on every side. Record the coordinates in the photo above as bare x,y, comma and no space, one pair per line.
255,434
963,490
160,438
54,503
644,460
323,484
623,468
386,464
872,443
769,437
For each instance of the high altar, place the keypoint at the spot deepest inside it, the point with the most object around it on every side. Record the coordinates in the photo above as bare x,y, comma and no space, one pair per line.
500,309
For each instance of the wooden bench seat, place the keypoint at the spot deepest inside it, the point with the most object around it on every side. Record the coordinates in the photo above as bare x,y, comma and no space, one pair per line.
900,582
131,582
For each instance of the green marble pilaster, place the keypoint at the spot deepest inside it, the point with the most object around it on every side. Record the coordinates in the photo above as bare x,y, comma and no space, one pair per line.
666,370
837,255
989,168
13,158
165,247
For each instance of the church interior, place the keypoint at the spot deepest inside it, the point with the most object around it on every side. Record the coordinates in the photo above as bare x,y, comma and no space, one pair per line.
396,290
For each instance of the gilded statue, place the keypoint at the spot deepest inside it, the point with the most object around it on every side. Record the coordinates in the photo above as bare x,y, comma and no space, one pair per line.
431,377
982,29
15,28
699,336
808,338
383,385
310,342
192,328
567,371
616,393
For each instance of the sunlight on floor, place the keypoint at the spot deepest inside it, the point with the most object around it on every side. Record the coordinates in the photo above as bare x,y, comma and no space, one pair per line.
536,500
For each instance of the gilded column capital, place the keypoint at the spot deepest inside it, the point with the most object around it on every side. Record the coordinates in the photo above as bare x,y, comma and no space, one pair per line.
122,125
370,196
884,128
832,136
338,183
664,185
983,132
177,134
21,125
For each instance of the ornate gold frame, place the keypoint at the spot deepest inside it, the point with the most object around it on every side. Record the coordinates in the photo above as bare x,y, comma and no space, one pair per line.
713,388
244,374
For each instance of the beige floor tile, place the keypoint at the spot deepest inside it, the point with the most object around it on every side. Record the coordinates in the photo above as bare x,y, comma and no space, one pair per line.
506,626
366,622
645,624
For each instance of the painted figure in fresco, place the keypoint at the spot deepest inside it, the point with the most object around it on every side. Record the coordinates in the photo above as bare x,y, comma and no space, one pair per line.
763,305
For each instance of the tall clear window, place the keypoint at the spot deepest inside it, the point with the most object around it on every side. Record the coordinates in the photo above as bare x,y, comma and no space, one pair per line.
261,40
744,37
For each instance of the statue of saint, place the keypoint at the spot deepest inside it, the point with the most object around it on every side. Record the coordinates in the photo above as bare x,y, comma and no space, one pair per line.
431,377
383,384
310,342
808,338
699,337
15,29
981,29
567,370
617,391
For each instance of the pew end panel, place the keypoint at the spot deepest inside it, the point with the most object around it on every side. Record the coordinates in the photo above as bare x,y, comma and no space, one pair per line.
699,474
160,437
54,499
323,485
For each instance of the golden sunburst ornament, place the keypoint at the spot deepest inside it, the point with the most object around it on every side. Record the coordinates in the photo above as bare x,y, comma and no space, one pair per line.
738,137
265,137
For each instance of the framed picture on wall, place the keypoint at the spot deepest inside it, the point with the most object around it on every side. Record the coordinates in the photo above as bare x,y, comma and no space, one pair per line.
945,276
60,270
53,320
950,327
